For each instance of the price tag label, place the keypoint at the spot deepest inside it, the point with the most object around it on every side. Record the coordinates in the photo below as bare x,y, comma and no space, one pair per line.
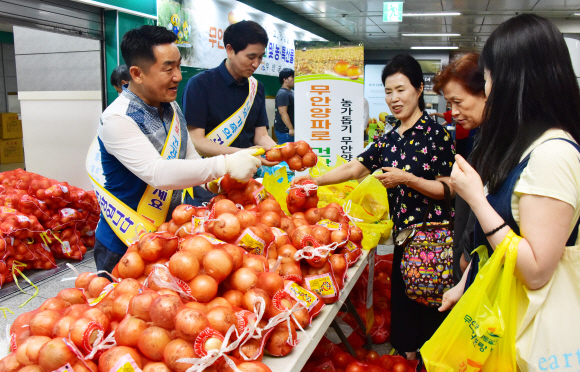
302,295
251,242
322,284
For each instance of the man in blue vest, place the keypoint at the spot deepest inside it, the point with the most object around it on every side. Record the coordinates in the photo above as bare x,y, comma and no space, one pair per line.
143,156
225,107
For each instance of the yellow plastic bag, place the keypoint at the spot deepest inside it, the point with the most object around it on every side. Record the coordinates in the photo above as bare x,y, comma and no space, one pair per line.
479,333
371,198
277,184
373,232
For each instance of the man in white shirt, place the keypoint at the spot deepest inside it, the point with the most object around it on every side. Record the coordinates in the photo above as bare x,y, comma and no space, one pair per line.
146,154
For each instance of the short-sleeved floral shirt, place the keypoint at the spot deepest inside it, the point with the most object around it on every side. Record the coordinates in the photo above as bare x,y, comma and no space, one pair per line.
427,151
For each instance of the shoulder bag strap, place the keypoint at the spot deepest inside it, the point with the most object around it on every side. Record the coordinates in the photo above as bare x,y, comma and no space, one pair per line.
447,205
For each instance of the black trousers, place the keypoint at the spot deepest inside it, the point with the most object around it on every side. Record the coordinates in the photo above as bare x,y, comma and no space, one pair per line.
412,324
105,259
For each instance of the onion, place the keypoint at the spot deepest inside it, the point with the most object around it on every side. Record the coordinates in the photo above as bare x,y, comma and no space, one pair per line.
296,198
97,285
27,352
72,296
172,227
339,236
246,219
81,366
252,187
277,342
244,279
203,288
228,183
175,350
22,321
339,264
141,304
168,292
299,233
321,269
163,227
251,348
30,368
158,366
298,215
109,358
330,213
55,354
270,205
185,230
150,265
197,306
54,304
131,265
221,318
256,262
10,364
302,317
121,306
83,334
295,162
225,206
270,283
271,219
250,298
287,251
218,264
218,301
189,323
310,202
128,286
98,316
163,310
150,246
43,323
170,244
355,234
302,147
237,254
182,214
153,341
288,150
62,326
77,309
227,227
274,154
321,234
273,266
309,159
299,222
129,331
238,196
268,234
313,215
234,297
197,244
291,269
184,265
287,225
83,280
250,207
273,251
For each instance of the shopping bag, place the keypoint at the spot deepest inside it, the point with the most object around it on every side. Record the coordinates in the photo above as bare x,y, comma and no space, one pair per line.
371,197
479,333
277,184
548,333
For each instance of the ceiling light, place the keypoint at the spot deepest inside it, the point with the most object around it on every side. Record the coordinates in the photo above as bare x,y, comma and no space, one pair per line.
434,47
442,35
578,14
441,14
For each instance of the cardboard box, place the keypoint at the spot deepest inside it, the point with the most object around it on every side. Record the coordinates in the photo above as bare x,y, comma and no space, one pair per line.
11,151
10,126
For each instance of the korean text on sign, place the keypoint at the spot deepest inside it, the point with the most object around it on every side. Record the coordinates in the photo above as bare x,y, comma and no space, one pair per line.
346,128
320,113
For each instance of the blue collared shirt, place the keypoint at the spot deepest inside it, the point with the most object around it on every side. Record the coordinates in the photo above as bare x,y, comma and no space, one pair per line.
214,95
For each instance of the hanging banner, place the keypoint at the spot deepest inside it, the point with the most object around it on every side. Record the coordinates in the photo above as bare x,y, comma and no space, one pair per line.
328,99
200,26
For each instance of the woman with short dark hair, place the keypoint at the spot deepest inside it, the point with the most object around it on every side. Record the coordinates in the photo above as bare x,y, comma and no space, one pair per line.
415,156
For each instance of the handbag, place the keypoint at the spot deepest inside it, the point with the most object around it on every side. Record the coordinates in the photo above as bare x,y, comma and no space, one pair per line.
427,264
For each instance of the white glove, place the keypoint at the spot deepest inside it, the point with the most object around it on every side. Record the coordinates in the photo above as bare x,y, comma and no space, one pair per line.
242,165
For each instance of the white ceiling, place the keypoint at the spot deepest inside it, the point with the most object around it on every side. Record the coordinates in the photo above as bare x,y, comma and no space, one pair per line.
360,20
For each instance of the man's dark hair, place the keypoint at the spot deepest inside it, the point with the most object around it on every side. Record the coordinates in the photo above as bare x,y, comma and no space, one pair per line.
137,44
241,34
408,66
120,73
285,74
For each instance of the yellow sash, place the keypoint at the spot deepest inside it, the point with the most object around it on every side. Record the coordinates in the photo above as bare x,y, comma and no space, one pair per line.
228,130
152,210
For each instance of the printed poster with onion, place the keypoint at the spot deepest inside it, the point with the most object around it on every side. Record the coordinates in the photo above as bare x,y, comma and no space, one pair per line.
328,98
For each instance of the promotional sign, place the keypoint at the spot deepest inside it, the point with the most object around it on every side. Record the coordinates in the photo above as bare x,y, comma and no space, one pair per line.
200,26
375,94
329,107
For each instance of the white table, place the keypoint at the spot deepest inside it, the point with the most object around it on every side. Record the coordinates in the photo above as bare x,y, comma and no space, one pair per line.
294,361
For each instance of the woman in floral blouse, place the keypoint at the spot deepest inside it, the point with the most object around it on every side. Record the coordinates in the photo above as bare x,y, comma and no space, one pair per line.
414,156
